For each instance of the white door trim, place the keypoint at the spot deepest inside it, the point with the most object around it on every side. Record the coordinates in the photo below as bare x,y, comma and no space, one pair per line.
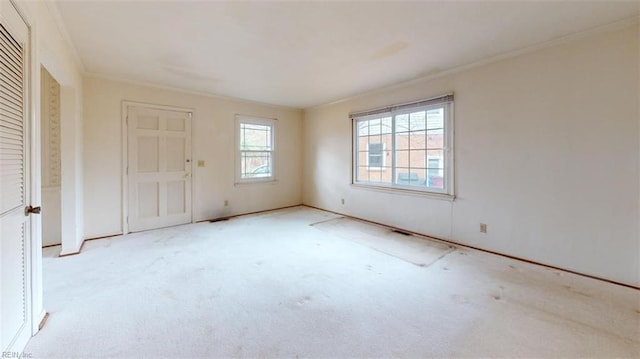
125,155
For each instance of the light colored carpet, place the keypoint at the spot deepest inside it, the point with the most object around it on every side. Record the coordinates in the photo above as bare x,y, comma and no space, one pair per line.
413,249
272,285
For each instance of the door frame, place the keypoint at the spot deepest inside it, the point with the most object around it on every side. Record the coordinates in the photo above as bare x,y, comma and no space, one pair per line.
125,155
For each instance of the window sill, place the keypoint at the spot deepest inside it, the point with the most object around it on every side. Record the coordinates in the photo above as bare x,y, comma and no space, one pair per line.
256,181
405,192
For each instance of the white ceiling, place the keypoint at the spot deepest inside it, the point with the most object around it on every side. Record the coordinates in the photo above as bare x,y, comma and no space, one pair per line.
301,54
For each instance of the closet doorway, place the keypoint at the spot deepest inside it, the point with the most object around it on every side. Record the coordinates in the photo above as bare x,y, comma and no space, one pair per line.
51,160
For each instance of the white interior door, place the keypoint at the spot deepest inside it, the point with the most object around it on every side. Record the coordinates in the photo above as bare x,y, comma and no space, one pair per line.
14,183
159,167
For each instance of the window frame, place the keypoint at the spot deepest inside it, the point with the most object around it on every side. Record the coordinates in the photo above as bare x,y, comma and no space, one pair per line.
261,121
448,191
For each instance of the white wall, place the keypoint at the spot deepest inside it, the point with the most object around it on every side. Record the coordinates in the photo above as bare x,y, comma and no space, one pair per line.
547,154
213,142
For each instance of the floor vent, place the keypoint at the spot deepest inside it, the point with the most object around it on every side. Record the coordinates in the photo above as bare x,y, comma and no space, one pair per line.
401,232
218,220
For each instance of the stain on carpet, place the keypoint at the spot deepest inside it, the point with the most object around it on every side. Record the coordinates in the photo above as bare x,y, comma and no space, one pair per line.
416,250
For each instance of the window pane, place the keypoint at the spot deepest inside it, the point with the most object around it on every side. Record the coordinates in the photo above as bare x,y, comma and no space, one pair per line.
374,139
435,120
386,127
255,164
363,158
436,154
375,155
375,176
402,176
417,121
435,140
417,158
363,128
375,148
375,160
373,144
386,158
362,148
402,123
402,158
435,169
386,174
402,141
255,137
411,177
418,177
363,174
417,140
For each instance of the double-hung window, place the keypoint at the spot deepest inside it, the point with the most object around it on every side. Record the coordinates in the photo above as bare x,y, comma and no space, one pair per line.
408,146
255,149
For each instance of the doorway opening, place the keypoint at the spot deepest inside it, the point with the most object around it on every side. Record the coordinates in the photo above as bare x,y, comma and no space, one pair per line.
50,160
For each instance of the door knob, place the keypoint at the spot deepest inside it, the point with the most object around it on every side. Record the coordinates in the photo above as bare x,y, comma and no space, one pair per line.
29,210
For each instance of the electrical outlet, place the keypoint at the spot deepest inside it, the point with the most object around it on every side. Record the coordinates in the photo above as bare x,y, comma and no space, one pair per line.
226,203
483,228
342,200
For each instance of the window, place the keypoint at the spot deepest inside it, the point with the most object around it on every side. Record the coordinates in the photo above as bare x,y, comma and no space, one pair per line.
254,161
406,146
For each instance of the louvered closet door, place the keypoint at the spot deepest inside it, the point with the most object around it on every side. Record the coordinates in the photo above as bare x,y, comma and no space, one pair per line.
14,192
